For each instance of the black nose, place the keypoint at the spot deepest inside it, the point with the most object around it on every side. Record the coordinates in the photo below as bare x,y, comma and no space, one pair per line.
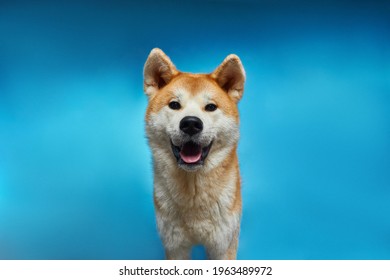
191,125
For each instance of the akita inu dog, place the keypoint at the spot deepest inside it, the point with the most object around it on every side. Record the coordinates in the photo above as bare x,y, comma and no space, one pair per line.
192,126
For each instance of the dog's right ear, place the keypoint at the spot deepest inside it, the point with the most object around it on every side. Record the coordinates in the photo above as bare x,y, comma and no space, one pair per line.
158,71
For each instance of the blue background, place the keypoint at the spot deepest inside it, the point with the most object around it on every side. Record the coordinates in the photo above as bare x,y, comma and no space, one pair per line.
75,169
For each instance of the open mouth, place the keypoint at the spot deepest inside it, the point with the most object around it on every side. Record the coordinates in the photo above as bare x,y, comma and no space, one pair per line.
191,153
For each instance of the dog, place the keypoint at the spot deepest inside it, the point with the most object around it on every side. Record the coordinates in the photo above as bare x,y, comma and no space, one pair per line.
192,127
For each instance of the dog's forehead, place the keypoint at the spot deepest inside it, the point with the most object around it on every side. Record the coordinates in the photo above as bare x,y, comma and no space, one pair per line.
194,86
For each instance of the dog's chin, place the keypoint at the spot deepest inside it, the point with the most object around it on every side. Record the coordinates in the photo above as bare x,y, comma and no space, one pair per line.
191,156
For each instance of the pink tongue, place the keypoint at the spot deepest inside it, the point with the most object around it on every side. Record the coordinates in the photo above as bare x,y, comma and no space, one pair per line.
190,158
191,152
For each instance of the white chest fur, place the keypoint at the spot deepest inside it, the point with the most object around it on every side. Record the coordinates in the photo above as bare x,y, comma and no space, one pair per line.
197,209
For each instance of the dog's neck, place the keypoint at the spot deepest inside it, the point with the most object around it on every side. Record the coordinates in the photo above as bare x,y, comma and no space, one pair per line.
200,188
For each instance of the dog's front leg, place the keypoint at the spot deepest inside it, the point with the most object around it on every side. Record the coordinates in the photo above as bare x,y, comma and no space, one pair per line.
226,250
176,248
176,243
178,253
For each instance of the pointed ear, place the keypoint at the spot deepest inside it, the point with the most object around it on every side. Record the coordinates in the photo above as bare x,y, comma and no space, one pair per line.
158,71
230,76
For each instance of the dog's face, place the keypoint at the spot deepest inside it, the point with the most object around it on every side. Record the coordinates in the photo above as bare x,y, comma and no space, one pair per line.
192,119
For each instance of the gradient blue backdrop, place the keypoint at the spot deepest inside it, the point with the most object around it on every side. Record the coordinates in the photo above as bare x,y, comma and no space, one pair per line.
75,169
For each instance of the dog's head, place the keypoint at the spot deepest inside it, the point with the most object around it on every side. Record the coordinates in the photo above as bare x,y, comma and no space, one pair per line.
192,119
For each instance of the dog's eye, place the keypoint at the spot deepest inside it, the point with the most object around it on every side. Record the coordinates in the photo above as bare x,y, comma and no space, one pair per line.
174,105
210,107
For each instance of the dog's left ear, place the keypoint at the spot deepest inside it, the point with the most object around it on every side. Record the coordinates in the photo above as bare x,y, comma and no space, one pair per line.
230,76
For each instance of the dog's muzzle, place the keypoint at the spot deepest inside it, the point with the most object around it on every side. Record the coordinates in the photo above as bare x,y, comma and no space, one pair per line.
191,153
